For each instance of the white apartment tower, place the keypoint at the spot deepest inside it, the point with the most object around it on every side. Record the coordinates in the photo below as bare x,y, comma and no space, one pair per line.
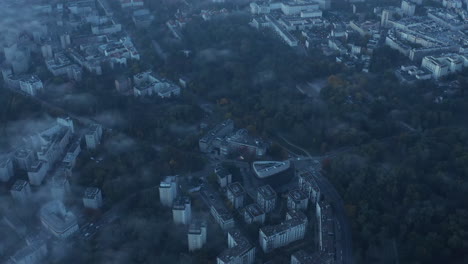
196,235
168,190
182,210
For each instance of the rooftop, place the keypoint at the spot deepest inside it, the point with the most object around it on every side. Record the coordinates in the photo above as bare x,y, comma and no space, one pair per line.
298,218
19,185
267,192
254,210
236,189
91,192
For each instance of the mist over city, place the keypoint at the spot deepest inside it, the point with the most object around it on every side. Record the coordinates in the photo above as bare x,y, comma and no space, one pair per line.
234,131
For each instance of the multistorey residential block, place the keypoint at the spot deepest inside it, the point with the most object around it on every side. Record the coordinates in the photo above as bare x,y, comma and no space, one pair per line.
308,184
182,210
168,189
276,236
93,136
236,193
239,251
21,191
223,176
196,235
253,213
266,198
297,200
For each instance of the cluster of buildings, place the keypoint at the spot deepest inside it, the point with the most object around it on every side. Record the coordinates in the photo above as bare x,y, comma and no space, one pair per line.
436,40
147,83
288,16
223,141
47,158
70,37
169,196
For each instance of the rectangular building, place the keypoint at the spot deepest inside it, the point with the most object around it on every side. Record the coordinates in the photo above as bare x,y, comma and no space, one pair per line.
266,198
6,169
239,251
235,193
297,200
276,236
253,213
196,235
21,191
182,210
168,189
92,198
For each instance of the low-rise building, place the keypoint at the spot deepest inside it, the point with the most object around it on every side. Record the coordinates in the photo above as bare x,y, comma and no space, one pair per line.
297,200
147,84
182,210
253,213
265,169
21,191
239,251
266,198
92,198
276,236
196,235
235,193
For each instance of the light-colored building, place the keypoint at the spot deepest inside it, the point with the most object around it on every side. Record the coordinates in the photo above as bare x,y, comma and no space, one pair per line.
182,210
265,169
23,158
239,251
266,198
408,8
30,84
37,172
253,213
92,198
196,235
297,200
235,194
326,228
223,176
59,187
308,184
93,136
444,65
168,189
222,215
276,236
57,220
21,191
147,84
6,168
